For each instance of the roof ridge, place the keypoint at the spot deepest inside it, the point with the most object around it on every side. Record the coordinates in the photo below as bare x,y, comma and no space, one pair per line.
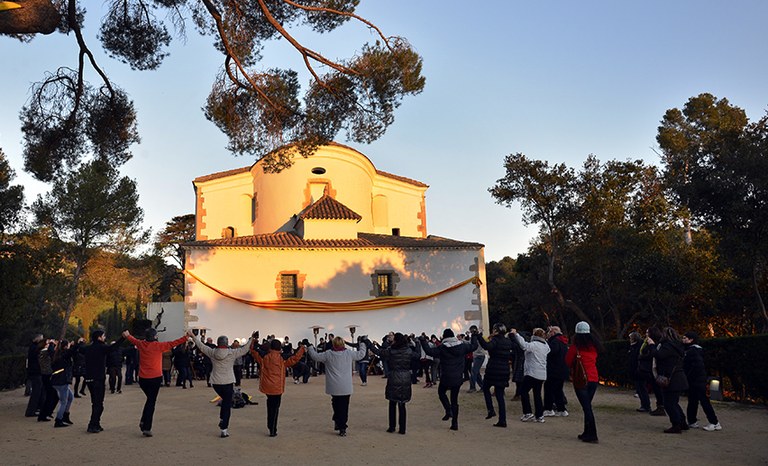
328,208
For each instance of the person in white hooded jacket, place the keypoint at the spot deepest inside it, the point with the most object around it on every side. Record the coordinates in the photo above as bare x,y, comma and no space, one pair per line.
535,372
223,375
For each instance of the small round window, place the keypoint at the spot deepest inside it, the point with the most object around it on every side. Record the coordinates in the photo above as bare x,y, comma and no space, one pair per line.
318,170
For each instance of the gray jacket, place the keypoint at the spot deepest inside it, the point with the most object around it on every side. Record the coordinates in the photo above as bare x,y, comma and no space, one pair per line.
535,356
223,359
338,368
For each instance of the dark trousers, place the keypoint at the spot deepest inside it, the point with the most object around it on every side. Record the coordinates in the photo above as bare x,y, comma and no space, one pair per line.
499,394
395,408
115,378
273,411
150,387
238,374
451,407
585,396
225,391
530,383
657,392
340,404
553,394
51,398
698,394
96,388
36,396
642,393
673,409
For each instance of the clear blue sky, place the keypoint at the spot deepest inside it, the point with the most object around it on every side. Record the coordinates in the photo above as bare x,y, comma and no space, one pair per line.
556,80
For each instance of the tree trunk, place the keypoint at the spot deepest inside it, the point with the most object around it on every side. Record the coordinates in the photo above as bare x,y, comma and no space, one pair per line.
71,299
760,302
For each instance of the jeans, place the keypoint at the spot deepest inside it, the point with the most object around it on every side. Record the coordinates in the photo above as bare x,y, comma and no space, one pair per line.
698,394
535,384
340,404
475,377
225,391
167,377
362,369
499,394
150,387
37,395
585,396
553,394
96,388
65,399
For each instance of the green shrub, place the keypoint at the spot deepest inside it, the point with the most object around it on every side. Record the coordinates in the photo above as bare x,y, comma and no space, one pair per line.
13,371
740,363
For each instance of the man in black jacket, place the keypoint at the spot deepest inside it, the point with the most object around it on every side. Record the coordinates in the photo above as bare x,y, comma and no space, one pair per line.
451,353
695,371
96,373
37,396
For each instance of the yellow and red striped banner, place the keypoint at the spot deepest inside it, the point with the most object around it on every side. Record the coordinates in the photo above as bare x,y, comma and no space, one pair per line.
303,305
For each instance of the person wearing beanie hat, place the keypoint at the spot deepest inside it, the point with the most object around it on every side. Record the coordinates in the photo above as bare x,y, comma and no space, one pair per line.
586,347
451,353
696,373
95,355
151,371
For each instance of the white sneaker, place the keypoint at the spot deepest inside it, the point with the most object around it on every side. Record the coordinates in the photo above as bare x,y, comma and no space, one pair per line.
694,425
563,413
540,419
549,413
224,433
712,427
527,417
295,381
364,384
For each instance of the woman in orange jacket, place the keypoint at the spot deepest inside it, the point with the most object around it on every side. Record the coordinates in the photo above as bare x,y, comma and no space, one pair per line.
272,378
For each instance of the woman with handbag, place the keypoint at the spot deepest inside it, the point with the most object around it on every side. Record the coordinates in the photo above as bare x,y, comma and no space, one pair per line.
584,351
669,354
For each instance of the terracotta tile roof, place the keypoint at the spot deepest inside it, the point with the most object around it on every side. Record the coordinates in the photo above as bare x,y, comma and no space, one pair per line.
328,208
213,176
364,241
402,178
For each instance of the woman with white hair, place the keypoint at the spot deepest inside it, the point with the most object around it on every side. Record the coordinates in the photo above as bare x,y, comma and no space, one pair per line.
338,378
222,373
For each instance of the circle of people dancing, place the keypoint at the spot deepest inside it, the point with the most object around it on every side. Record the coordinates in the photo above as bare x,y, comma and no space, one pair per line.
662,361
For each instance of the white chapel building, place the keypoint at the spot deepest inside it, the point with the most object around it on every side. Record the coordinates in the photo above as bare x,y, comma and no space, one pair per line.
331,243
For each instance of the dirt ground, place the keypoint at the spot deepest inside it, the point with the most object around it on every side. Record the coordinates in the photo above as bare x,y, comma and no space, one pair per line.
185,431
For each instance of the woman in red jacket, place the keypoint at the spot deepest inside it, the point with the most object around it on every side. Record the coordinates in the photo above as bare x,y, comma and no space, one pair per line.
586,346
151,371
272,377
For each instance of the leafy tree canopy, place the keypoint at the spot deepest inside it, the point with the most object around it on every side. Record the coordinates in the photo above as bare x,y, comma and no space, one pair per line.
11,196
261,110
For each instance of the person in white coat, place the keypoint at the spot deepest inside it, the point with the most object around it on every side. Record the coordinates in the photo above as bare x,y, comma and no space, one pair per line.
535,372
223,375
338,378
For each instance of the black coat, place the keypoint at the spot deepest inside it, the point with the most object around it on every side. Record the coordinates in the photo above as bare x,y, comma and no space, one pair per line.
556,367
633,360
645,360
499,349
669,362
451,354
399,384
33,358
693,366
96,358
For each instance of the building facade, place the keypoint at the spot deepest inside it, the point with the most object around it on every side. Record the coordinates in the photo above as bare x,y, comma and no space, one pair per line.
330,242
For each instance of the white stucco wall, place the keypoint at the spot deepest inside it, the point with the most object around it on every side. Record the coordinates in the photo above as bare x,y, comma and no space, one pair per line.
333,276
226,202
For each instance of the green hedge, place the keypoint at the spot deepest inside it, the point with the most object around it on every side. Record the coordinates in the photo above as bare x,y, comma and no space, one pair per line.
740,362
13,371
